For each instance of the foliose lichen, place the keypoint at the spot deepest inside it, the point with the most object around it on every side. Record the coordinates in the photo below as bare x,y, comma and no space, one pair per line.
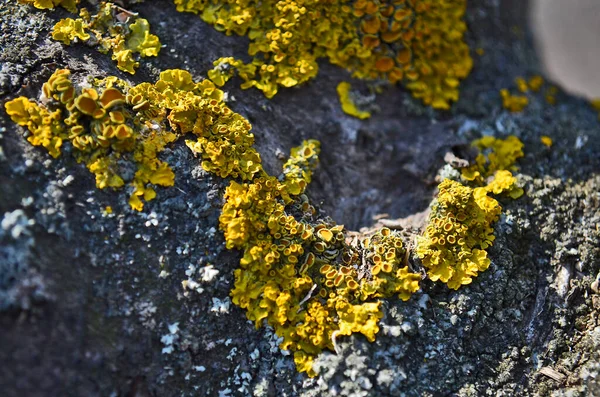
113,30
70,5
348,104
460,225
301,273
110,124
416,42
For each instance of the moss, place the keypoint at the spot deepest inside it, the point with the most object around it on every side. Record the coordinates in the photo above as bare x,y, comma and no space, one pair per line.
416,42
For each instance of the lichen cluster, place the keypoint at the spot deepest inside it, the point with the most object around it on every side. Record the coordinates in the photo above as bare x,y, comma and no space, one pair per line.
460,226
70,5
525,88
301,273
416,42
112,30
112,127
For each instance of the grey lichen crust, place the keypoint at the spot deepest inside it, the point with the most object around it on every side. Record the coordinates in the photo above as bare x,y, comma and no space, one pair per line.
97,301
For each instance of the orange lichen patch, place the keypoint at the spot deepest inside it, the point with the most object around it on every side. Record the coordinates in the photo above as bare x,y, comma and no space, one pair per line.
124,38
419,43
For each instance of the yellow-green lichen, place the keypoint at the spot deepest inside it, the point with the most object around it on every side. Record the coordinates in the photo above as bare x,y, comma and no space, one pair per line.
417,42
122,34
494,155
70,5
527,88
348,105
460,225
301,273
110,124
298,272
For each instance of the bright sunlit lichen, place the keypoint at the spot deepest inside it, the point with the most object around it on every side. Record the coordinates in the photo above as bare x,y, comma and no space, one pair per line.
460,226
70,5
111,124
112,30
417,42
494,155
298,272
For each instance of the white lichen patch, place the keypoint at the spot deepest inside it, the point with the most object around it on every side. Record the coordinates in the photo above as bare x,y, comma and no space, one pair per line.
220,306
208,273
169,339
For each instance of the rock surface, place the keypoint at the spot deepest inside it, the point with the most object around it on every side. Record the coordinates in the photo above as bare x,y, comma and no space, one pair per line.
91,303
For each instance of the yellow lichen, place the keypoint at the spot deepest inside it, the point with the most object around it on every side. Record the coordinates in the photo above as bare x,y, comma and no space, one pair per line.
527,90
460,227
494,155
67,30
70,5
514,103
536,82
300,273
111,34
417,42
453,246
546,140
348,105
111,123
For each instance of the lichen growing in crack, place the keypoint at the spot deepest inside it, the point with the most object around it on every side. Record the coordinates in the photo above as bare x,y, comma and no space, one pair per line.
418,43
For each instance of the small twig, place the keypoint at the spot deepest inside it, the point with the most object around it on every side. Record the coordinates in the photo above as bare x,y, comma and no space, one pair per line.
307,297
333,337
552,374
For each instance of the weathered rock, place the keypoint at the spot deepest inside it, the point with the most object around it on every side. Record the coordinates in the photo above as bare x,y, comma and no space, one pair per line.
94,304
